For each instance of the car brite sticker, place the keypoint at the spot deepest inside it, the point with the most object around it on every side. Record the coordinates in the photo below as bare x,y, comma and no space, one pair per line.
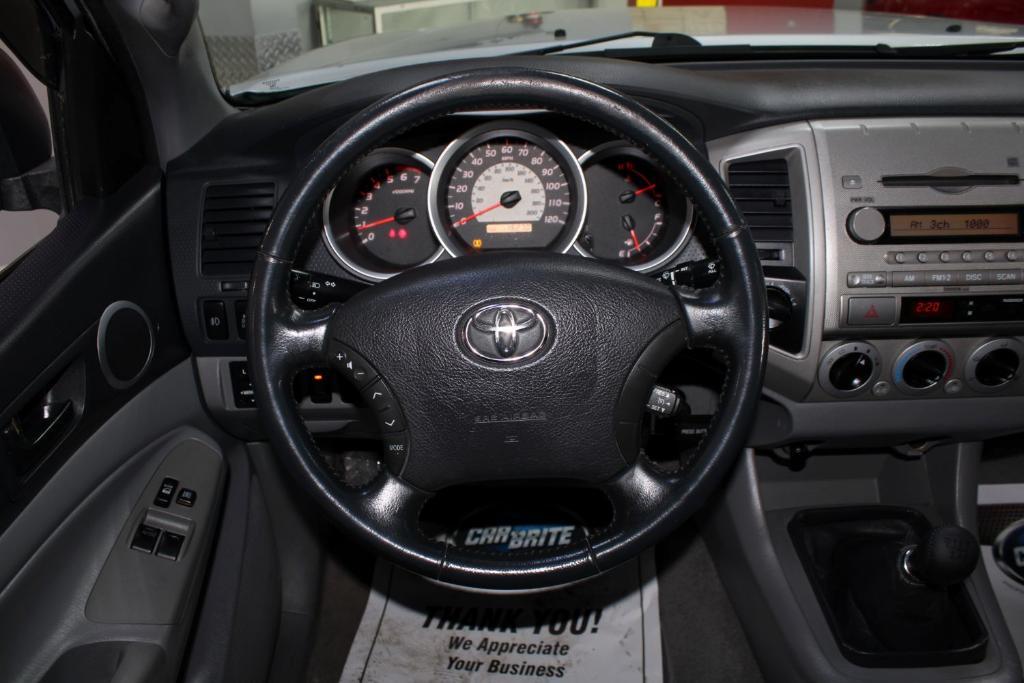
506,538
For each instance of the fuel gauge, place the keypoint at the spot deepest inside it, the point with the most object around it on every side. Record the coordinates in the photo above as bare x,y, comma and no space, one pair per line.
636,217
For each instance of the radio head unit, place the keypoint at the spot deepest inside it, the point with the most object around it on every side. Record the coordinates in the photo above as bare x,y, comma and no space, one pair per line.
935,225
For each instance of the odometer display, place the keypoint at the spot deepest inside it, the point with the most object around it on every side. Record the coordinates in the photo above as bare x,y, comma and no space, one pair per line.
507,189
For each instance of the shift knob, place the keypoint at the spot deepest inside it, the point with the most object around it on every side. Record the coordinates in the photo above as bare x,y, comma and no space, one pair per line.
947,556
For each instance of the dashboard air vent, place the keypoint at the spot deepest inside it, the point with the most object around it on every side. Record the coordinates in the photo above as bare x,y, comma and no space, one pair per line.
762,193
234,220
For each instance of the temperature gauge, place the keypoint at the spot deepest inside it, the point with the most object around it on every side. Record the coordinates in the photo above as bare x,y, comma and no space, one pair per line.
637,217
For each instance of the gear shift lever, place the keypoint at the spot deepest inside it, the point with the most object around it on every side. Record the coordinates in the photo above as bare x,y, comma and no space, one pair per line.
947,556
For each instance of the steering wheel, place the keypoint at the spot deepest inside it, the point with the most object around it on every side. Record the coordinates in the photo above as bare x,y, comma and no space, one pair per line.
510,366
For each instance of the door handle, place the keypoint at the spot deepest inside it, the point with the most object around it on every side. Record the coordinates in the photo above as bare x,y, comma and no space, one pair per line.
30,433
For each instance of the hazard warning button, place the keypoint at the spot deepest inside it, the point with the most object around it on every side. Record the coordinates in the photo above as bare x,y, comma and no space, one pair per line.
874,310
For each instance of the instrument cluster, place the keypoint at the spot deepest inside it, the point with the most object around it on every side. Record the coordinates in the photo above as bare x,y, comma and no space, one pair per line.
505,185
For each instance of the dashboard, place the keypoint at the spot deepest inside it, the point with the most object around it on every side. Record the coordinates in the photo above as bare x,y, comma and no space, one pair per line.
504,184
889,232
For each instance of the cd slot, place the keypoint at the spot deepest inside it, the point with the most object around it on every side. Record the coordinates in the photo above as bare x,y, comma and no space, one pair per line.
957,181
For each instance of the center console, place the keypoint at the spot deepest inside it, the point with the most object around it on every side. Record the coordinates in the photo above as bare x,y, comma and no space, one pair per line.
923,273
870,434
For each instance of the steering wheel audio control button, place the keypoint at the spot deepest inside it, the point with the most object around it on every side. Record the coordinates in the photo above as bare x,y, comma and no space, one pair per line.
391,420
395,446
351,365
379,397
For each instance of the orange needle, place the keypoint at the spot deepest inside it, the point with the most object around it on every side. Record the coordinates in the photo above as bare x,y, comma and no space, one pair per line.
644,189
463,221
636,242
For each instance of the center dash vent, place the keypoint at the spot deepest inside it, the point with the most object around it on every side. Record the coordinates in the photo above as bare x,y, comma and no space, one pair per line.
762,193
234,220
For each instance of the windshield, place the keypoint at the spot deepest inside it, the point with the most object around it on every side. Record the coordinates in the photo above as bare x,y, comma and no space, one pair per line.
274,47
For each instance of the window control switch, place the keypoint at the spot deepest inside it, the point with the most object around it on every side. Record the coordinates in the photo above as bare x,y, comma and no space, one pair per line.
167,488
170,545
145,537
186,497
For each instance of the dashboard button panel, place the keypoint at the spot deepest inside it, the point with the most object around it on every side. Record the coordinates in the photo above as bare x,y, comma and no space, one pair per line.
875,279
215,320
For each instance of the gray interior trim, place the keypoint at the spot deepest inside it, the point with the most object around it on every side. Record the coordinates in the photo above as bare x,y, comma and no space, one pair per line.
184,102
791,374
51,555
141,588
111,662
300,558
749,541
781,420
234,634
214,374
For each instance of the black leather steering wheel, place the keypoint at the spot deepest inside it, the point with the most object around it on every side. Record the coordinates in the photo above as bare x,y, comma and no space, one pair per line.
570,411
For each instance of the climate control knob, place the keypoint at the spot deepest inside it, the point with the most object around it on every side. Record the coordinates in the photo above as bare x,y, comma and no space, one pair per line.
923,366
849,368
994,364
851,372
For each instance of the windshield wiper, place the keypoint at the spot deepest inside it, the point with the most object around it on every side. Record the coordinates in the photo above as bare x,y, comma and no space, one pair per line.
661,40
675,46
951,50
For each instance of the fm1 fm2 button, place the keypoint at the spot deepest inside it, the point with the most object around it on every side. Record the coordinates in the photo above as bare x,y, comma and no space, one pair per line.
351,365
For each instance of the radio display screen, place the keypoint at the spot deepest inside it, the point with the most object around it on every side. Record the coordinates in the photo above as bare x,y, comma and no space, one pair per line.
938,309
978,226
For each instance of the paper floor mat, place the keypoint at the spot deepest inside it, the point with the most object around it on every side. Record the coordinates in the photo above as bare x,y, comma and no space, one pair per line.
607,629
1001,532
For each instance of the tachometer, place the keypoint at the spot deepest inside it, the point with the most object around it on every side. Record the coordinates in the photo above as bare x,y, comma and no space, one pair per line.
376,219
503,187
637,217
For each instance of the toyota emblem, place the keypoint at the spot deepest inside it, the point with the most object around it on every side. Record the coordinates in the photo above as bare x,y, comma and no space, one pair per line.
505,332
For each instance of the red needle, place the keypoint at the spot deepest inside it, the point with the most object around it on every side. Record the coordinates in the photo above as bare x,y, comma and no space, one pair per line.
636,242
382,221
644,189
463,221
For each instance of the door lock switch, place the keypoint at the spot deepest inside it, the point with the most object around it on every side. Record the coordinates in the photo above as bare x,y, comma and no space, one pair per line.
186,498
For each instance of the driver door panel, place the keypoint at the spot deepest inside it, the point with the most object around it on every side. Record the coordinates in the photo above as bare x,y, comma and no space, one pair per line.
80,604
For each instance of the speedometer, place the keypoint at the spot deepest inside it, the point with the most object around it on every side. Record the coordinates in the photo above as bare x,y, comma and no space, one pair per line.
501,187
